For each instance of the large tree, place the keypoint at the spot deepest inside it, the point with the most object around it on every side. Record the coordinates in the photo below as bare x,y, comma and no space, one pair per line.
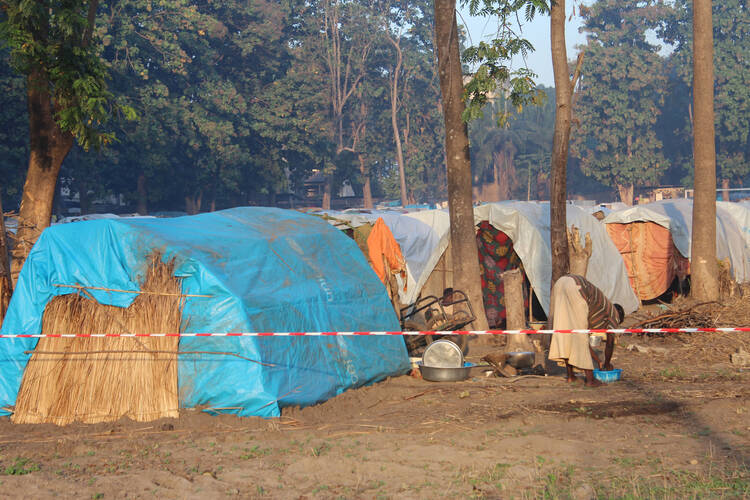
54,46
492,72
619,101
703,266
466,272
560,141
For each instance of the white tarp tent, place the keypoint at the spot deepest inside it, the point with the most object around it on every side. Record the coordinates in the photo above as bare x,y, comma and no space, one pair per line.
423,237
528,225
677,216
740,212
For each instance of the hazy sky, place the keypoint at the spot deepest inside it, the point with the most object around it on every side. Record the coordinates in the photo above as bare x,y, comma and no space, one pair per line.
537,32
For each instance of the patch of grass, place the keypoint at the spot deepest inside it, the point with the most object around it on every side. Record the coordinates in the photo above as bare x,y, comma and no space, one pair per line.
20,467
375,485
319,488
320,450
680,484
672,372
492,476
254,452
558,483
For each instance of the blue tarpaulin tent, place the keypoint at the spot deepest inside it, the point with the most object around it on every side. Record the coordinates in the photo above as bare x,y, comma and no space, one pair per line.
265,270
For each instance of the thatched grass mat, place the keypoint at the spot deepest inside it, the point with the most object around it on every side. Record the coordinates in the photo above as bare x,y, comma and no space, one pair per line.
103,379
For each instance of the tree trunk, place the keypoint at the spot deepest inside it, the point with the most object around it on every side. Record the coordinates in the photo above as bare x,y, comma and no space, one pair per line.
704,269
528,183
142,207
725,189
394,123
84,201
326,204
58,208
515,313
48,148
193,203
366,188
560,142
626,193
463,233
6,286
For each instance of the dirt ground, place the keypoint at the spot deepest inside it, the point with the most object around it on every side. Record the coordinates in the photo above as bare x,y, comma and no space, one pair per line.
676,426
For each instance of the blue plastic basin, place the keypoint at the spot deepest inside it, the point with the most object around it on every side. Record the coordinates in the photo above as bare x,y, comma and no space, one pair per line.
608,376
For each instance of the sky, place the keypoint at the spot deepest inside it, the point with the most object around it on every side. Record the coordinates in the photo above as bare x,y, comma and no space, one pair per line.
537,32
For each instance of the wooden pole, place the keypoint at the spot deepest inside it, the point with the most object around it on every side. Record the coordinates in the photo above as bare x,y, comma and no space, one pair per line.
513,296
514,311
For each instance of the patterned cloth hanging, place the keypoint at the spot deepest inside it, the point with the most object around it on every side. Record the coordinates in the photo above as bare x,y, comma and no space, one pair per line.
496,255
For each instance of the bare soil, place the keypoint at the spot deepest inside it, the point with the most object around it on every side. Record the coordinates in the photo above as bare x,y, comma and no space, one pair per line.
676,426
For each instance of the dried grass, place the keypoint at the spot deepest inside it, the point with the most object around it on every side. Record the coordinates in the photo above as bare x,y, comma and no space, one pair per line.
90,383
732,311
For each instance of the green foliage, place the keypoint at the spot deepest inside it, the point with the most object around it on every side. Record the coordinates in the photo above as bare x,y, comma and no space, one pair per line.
731,21
621,95
52,43
493,74
14,137
21,466
517,154
228,102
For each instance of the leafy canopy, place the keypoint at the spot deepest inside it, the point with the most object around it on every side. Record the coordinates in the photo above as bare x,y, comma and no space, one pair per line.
52,41
493,73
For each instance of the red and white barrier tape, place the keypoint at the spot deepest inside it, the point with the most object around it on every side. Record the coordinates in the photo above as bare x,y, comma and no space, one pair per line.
365,334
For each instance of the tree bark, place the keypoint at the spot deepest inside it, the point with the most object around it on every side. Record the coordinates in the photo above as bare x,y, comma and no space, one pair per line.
560,142
49,146
725,189
326,203
142,207
626,193
6,285
463,233
394,122
366,187
515,313
704,269
193,203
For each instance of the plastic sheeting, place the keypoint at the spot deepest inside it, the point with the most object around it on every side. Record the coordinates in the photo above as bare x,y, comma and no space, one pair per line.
677,216
740,212
528,225
650,256
265,269
423,237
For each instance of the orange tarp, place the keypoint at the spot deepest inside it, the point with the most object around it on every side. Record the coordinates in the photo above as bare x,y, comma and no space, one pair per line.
650,257
383,250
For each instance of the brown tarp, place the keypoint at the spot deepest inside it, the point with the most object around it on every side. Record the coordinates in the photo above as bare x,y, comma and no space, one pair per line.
650,256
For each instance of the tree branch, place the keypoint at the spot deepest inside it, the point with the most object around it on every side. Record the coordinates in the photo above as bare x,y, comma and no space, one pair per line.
90,21
577,72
